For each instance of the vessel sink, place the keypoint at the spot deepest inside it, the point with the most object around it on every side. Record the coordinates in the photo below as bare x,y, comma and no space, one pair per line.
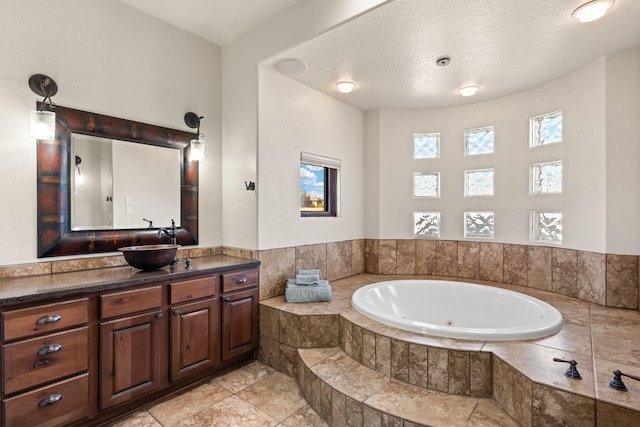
149,257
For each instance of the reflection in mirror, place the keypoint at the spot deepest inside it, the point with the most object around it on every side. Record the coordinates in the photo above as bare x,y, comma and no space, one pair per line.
119,184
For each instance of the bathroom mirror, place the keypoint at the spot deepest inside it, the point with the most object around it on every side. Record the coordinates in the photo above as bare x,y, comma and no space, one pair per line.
56,183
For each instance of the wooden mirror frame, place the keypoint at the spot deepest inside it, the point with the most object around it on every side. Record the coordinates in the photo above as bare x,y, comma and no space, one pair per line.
55,237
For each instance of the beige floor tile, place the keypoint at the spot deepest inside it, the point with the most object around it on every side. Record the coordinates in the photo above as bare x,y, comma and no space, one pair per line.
139,418
231,411
277,395
171,411
305,417
241,378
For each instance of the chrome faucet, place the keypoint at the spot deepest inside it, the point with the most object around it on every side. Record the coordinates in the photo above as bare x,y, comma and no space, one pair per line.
172,232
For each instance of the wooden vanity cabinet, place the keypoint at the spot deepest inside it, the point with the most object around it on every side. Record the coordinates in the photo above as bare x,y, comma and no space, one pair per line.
46,348
195,326
83,361
239,313
131,346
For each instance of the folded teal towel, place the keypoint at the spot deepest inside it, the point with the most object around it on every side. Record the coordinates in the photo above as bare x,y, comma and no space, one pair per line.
297,293
307,279
314,272
310,285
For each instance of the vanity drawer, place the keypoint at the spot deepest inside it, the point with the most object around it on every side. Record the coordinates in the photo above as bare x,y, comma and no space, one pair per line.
56,405
239,280
39,360
190,290
45,318
128,302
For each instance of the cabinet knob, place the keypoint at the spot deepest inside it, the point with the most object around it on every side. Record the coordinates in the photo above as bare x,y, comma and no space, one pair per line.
50,400
226,299
159,316
49,318
52,348
176,312
240,281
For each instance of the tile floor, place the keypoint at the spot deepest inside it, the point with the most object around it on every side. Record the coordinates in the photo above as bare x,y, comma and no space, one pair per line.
253,395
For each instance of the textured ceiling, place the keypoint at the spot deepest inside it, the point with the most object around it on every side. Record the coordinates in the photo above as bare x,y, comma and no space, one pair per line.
219,21
503,46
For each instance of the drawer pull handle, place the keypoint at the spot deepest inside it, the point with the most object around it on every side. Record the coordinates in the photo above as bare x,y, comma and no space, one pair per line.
54,398
49,318
49,349
240,281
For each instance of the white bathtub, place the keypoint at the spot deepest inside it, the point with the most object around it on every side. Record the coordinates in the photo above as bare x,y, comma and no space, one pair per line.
457,310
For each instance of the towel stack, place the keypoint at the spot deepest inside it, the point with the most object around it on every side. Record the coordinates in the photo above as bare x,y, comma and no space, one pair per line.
307,287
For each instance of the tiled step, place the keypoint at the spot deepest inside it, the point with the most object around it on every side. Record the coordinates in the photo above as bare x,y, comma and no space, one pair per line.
344,392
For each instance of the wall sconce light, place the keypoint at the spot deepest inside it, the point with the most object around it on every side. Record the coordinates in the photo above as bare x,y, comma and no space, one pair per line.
345,86
197,144
78,175
592,10
43,121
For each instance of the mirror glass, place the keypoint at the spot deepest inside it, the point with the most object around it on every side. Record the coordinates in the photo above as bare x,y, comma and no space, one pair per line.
122,185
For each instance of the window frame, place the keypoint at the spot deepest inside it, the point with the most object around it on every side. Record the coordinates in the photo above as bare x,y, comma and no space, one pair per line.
331,167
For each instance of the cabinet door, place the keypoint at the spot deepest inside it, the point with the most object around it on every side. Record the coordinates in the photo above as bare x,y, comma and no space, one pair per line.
131,361
239,323
195,334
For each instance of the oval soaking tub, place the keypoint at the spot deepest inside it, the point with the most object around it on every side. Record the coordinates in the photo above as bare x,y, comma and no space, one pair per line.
457,310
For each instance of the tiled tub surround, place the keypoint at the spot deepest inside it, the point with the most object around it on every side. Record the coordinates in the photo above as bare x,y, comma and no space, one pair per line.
606,279
520,377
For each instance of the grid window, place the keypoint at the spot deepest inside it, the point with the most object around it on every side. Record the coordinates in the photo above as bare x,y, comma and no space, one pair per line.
426,145
426,224
546,226
546,177
426,184
478,182
478,141
479,224
545,129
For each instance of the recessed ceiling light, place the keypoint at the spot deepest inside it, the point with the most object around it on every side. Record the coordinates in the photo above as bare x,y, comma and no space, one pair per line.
468,90
290,66
592,10
345,86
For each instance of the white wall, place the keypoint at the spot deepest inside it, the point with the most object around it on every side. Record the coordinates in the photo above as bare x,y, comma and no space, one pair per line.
110,59
295,118
580,95
623,152
240,104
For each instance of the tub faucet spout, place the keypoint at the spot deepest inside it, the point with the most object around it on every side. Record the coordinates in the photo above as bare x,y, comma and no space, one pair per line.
171,232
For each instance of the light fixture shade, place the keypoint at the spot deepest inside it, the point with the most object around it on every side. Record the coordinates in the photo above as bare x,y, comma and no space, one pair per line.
345,86
592,10
197,150
468,90
43,124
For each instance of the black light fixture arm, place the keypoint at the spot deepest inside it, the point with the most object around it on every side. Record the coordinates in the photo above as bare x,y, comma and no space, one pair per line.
193,121
44,86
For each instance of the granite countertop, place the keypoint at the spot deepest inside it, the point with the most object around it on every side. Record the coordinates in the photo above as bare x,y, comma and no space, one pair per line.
44,287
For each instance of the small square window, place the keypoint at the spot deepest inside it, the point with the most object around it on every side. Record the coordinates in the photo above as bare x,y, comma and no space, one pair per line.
546,226
546,177
426,224
479,224
426,145
478,182
478,141
545,129
318,185
426,184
